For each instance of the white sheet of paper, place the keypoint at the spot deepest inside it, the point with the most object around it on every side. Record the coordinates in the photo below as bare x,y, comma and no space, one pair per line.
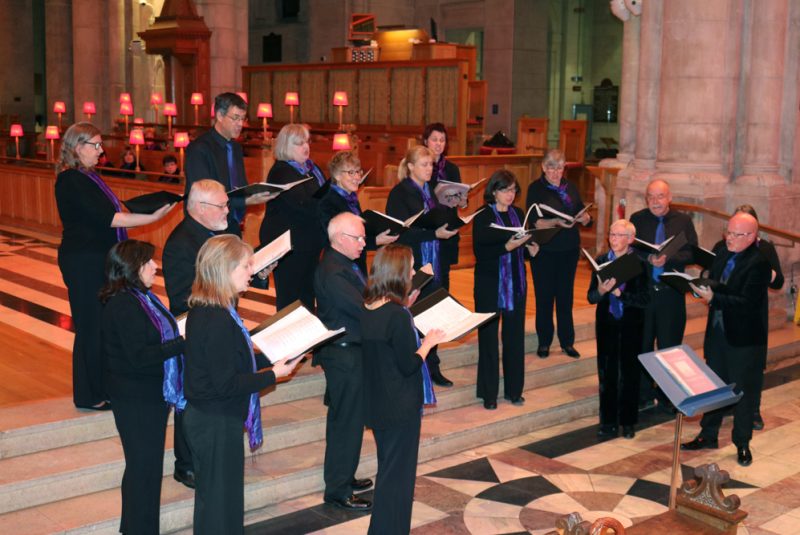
272,252
452,318
292,336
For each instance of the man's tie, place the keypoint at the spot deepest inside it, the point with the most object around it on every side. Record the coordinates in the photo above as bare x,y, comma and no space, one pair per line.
360,275
729,265
660,237
233,175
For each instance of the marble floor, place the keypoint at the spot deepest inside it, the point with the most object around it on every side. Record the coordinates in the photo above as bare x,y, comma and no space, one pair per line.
523,485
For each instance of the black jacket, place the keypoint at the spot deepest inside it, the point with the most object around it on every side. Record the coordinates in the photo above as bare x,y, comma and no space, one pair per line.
567,238
403,202
340,295
333,204
634,298
449,247
180,255
86,214
674,223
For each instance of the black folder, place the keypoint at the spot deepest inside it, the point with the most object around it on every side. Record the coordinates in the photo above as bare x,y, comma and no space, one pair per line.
150,202
668,248
682,285
623,268
703,257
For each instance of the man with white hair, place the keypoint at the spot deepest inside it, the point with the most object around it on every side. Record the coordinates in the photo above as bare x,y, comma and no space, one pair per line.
339,286
736,331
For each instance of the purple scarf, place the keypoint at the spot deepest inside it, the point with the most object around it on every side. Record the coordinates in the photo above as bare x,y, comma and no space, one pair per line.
122,232
164,322
438,168
560,190
505,284
615,306
428,395
350,198
309,169
253,422
430,249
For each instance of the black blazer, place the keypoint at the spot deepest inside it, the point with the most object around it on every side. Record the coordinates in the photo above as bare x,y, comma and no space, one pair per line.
333,204
403,202
567,238
449,247
392,368
295,210
219,376
86,214
634,298
768,250
207,157
132,350
743,299
340,294
180,255
674,223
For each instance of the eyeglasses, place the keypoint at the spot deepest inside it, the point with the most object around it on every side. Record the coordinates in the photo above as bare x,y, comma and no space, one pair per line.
659,197
731,234
509,189
96,144
553,167
353,172
237,118
618,235
220,206
359,239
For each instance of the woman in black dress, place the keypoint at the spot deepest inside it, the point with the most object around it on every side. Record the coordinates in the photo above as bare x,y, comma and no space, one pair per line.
553,269
393,386
435,138
500,286
346,176
222,379
93,222
139,335
295,210
619,323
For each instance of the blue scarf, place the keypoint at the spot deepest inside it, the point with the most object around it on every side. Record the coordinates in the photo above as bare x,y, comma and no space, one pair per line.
560,190
309,168
122,232
350,198
428,395
505,284
253,421
164,322
615,306
430,249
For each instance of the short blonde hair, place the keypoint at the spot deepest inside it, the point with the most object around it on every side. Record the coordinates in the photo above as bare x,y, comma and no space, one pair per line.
629,227
75,135
289,134
217,259
339,160
412,156
201,191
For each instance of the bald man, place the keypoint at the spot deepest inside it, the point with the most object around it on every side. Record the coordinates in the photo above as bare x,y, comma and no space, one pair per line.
736,332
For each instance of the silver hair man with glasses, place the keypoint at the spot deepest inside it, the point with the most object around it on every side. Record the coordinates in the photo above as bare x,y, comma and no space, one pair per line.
339,286
218,156
736,331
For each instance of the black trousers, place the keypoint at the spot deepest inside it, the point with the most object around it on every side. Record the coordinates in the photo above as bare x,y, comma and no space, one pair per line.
142,427
740,365
218,452
293,279
664,325
398,448
345,423
513,335
183,455
760,386
618,346
553,274
84,276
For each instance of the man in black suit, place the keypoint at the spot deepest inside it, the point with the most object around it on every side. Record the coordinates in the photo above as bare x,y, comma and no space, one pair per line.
339,285
217,155
665,316
736,332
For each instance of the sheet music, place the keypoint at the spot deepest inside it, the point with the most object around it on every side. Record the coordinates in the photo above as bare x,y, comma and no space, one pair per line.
449,316
292,335
273,251
181,321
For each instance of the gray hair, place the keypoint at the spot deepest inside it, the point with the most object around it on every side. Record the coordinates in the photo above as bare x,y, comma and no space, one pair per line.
340,222
201,191
289,134
75,135
553,158
629,227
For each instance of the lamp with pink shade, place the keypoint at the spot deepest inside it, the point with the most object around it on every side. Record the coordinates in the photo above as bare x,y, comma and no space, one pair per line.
196,101
51,133
126,109
59,108
265,112
291,99
180,142
156,100
170,111
341,141
137,140
16,132
340,100
89,109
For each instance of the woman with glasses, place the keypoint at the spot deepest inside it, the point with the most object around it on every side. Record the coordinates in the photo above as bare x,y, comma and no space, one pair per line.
295,210
500,286
553,269
93,221
346,175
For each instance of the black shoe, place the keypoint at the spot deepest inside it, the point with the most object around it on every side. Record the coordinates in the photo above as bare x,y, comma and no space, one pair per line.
490,404
645,404
571,351
700,443
628,431
439,379
184,476
361,484
758,422
102,406
352,503
743,456
518,400
607,431
543,352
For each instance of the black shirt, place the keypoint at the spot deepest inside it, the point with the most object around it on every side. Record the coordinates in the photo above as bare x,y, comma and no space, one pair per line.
180,256
339,291
674,223
538,192
86,214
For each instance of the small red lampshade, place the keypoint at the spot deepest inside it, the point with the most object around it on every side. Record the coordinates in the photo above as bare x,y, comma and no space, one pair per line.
156,99
59,107
340,98
124,97
243,95
138,120
181,140
16,130
126,108
213,114
341,141
137,137
291,99
170,109
197,99
264,110
51,132
88,107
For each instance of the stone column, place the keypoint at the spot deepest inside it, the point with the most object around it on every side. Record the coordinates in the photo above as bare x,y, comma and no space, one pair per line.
58,60
629,90
227,20
90,60
649,85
